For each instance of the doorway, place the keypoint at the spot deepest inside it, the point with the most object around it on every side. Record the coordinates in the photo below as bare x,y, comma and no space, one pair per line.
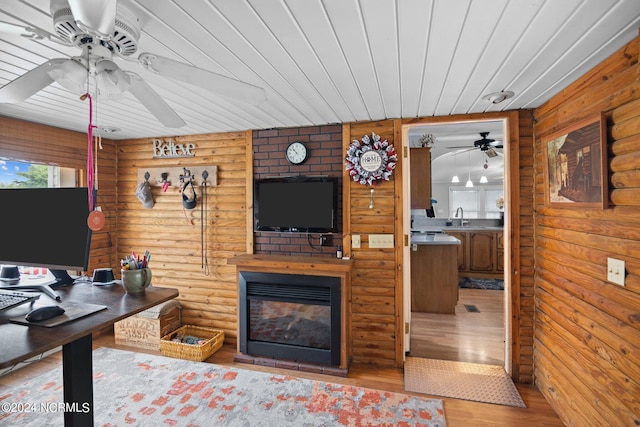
479,331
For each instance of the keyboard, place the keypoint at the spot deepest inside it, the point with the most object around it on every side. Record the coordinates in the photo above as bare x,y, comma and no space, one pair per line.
10,298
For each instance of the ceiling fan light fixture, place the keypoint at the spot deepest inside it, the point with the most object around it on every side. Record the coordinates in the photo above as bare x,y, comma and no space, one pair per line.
111,81
71,75
498,97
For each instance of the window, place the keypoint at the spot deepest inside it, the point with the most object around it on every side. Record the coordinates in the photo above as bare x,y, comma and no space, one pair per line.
14,174
476,202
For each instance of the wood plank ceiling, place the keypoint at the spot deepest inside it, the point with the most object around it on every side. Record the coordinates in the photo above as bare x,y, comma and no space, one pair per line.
330,61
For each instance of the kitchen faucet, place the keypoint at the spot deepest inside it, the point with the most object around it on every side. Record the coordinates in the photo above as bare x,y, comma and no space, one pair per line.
462,221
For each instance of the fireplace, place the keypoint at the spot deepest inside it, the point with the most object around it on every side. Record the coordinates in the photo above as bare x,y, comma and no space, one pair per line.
290,317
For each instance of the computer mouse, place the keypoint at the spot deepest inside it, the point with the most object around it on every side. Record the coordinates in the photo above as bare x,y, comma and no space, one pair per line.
44,313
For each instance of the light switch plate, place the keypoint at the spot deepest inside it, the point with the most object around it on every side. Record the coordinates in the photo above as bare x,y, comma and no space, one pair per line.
615,271
355,241
381,240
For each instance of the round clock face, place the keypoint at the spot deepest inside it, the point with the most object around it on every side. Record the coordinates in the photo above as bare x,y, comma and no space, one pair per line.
296,153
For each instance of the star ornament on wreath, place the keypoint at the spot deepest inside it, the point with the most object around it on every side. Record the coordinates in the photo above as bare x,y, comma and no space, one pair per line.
370,160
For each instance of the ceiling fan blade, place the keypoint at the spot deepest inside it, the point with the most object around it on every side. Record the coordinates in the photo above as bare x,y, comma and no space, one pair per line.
97,17
31,82
154,103
216,83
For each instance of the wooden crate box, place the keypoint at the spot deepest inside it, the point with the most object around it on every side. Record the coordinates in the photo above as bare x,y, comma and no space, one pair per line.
145,329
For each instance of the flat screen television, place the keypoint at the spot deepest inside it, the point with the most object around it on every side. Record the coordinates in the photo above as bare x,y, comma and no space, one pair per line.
45,227
303,204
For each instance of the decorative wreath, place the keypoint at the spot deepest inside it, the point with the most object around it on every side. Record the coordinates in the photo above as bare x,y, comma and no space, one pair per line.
370,160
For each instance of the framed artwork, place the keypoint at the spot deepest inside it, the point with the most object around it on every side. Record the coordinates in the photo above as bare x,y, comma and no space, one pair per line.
576,173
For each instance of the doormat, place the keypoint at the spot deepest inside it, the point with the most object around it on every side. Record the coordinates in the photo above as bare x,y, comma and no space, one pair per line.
471,308
461,380
135,389
476,283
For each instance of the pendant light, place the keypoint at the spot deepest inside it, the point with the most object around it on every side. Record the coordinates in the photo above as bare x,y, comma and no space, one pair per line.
483,179
469,182
455,178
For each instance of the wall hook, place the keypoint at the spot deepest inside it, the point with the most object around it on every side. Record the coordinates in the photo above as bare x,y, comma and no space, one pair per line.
186,176
147,175
165,181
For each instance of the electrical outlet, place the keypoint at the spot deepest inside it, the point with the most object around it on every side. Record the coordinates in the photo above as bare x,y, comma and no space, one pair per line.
355,241
615,271
325,240
381,240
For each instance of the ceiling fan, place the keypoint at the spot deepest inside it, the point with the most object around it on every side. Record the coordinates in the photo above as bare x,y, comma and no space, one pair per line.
103,32
486,145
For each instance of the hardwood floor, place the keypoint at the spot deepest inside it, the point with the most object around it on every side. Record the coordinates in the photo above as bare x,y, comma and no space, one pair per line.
458,412
467,336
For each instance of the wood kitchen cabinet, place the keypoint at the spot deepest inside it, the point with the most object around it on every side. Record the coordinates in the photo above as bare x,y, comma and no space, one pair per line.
500,251
434,279
480,254
420,161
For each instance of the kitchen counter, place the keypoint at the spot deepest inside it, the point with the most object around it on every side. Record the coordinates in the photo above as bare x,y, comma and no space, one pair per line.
433,239
425,230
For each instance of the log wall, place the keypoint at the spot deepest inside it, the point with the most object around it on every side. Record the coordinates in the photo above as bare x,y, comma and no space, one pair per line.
587,330
174,236
376,299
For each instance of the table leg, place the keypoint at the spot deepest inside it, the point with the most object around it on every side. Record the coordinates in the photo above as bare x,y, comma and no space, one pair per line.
77,374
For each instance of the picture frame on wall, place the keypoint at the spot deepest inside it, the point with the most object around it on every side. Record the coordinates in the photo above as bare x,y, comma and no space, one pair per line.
576,173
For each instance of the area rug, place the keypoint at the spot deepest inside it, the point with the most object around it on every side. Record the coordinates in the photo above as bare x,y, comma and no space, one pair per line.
134,389
477,283
461,380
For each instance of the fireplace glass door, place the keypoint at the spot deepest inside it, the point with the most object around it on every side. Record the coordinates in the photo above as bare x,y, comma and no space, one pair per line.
293,317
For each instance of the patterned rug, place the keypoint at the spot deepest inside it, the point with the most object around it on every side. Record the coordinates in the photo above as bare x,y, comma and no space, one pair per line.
461,380
134,389
476,283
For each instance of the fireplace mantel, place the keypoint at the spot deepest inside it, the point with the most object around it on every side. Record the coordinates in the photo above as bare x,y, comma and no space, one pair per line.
312,266
299,264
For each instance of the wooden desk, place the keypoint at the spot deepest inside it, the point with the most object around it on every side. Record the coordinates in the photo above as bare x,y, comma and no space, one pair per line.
19,342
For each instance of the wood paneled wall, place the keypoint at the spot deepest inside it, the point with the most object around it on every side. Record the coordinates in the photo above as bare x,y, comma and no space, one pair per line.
375,318
35,143
587,330
174,235
521,235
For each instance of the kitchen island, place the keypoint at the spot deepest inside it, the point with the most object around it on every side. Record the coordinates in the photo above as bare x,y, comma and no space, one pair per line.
434,273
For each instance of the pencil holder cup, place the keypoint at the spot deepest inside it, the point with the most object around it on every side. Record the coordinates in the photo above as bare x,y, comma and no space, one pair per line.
136,281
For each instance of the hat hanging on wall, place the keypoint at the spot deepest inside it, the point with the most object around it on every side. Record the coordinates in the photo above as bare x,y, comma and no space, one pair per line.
189,198
143,192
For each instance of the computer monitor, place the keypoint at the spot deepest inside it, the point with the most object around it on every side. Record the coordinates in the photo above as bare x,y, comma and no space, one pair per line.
45,227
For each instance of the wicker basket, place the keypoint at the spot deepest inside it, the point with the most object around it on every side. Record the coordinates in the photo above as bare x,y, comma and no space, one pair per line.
197,352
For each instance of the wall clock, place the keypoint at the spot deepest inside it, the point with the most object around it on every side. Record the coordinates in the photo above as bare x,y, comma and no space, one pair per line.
297,153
